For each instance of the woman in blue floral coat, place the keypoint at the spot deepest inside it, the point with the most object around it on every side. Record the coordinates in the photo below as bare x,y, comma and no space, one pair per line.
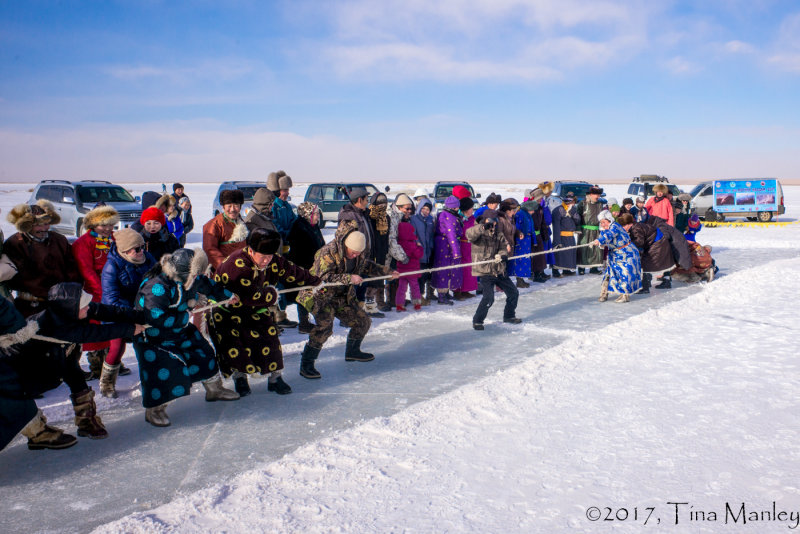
172,353
623,273
521,267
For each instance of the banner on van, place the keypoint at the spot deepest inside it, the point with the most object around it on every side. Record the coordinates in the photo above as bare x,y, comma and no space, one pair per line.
737,196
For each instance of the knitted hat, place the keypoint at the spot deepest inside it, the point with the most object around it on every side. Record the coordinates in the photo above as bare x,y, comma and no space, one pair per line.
264,241
176,186
451,203
231,196
403,200
614,207
284,182
356,241
128,238
104,215
263,199
153,214
460,192
466,203
694,221
272,180
356,193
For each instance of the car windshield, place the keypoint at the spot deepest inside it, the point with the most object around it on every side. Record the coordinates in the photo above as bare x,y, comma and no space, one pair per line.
92,194
697,189
447,190
249,191
580,190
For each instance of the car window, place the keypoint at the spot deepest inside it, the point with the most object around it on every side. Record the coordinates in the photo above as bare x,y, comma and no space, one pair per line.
92,194
45,192
249,191
65,193
314,193
707,192
580,190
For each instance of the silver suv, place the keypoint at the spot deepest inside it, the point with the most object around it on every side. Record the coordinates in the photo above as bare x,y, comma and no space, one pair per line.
642,186
73,200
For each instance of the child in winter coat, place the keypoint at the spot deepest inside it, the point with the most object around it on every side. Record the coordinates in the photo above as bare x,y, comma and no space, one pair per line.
407,239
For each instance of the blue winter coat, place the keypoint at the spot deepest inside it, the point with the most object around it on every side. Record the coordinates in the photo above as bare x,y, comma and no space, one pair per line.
522,266
424,226
121,279
283,217
175,227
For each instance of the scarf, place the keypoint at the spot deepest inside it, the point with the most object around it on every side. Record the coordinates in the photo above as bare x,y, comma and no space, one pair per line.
101,243
377,212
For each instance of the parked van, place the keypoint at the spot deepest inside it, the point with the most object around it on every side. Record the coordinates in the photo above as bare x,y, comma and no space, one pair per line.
757,199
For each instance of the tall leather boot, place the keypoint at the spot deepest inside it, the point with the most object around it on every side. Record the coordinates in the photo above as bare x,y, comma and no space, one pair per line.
353,351
646,277
43,436
86,418
604,291
108,380
307,359
380,300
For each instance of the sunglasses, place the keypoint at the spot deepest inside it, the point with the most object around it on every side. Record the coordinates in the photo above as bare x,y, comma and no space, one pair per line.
136,250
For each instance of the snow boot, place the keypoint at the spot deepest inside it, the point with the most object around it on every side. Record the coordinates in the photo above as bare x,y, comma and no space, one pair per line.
443,300
283,321
581,271
521,283
307,359
429,293
710,275
595,270
604,291
646,277
215,391
417,305
95,359
477,326
623,298
86,418
539,277
108,380
372,309
241,385
512,320
556,274
157,415
353,352
666,282
400,309
567,272
43,436
380,300
123,371
278,386
305,326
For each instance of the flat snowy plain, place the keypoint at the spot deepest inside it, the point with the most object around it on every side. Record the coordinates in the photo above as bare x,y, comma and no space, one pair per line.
588,417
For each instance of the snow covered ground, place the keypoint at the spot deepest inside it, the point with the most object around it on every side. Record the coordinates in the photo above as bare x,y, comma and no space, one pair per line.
687,396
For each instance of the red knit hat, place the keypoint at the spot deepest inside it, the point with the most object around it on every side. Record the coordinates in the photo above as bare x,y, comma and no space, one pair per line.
153,214
460,192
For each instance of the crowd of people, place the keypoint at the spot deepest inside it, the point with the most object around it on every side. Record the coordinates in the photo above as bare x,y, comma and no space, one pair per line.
207,314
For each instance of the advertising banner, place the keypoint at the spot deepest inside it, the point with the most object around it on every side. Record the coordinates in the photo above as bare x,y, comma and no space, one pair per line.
752,195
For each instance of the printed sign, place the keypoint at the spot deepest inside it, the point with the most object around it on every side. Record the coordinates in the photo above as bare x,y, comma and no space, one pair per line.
737,196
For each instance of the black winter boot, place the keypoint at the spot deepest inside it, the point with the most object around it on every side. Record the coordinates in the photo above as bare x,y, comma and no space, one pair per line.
353,352
666,282
242,386
646,277
521,283
307,359
556,274
279,386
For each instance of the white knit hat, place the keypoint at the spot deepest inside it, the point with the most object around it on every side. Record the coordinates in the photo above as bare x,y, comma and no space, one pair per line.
356,241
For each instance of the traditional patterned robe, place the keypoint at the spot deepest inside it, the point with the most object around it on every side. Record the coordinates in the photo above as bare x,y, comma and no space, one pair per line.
624,269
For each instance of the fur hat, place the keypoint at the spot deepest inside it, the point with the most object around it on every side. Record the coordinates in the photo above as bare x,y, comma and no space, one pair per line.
466,203
403,200
231,196
164,201
640,199
25,216
285,181
272,180
104,215
627,201
452,203
493,198
660,187
459,192
685,196
546,187
184,265
509,204
594,190
487,214
128,238
153,214
605,215
264,241
356,241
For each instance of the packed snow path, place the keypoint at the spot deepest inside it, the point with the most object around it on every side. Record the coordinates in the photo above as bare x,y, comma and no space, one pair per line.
419,356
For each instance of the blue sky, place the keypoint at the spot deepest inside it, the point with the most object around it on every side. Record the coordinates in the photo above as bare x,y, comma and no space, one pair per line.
481,89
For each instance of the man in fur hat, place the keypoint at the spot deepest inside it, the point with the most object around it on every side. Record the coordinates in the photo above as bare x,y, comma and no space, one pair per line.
343,260
42,258
282,213
589,208
172,353
244,333
226,233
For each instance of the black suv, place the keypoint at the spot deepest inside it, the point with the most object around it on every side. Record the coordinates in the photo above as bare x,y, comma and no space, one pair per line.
73,200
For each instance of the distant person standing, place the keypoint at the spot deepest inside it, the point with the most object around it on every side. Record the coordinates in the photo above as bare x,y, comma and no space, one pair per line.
177,192
187,220
283,217
660,205
588,210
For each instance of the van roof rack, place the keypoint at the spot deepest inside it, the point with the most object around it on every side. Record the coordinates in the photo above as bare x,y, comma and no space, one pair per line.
642,178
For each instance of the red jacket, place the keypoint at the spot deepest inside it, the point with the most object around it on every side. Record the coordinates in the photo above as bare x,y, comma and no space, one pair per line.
90,262
662,208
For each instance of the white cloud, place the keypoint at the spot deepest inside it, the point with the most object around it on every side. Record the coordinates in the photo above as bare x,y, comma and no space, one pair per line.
739,47
680,66
787,45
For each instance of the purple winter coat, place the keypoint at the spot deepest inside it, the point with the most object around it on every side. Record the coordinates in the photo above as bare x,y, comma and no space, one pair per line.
447,251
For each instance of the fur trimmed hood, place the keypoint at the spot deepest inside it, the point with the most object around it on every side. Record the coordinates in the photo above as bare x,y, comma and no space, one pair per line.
100,216
25,216
198,266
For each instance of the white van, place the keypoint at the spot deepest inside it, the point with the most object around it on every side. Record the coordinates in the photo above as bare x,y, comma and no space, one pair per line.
756,199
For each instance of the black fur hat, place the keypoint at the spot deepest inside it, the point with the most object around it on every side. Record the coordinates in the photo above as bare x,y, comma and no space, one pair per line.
466,203
231,196
264,241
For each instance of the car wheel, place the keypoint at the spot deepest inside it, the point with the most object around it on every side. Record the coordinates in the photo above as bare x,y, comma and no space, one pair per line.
764,216
78,227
